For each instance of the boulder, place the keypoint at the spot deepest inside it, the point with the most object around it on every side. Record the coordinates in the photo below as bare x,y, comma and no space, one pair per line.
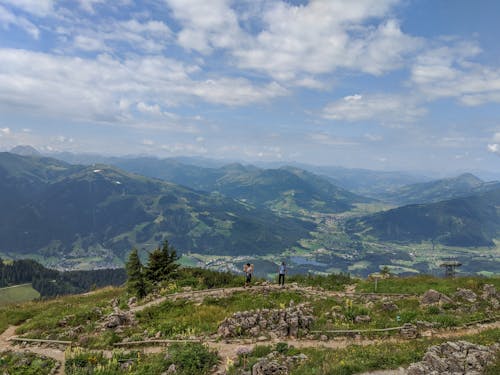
409,331
489,291
267,367
389,306
454,358
432,297
362,319
466,294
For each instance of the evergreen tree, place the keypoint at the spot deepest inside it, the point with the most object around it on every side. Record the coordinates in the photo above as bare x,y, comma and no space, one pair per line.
161,263
135,281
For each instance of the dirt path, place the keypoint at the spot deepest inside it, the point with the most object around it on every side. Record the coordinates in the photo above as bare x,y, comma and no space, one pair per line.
228,350
56,354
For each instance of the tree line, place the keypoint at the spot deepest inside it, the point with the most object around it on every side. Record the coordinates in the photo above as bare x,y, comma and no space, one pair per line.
50,282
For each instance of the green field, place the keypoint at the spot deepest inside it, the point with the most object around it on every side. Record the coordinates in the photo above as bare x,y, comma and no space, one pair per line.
17,294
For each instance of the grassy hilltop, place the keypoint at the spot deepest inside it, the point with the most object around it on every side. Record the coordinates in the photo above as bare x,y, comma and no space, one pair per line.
200,307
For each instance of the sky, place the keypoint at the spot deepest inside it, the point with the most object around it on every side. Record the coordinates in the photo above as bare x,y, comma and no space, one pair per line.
381,84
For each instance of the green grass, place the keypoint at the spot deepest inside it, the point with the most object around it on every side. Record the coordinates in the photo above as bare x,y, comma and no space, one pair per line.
25,364
183,318
420,284
189,359
40,319
356,358
18,294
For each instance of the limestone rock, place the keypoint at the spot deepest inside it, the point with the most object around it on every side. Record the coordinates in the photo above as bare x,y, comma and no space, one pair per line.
466,294
362,319
273,322
454,358
432,297
489,291
266,367
409,331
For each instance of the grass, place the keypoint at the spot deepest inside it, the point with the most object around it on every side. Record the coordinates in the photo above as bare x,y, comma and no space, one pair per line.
356,358
41,319
421,283
184,318
18,294
15,363
189,359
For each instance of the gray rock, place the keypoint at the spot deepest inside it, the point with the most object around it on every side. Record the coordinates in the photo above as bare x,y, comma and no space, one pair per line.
454,358
489,291
409,331
362,319
466,294
266,367
432,297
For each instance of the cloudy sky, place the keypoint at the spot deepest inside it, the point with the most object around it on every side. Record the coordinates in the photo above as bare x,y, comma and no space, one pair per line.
381,84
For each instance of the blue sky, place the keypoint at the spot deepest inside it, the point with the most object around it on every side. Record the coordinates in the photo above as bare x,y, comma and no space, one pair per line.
380,84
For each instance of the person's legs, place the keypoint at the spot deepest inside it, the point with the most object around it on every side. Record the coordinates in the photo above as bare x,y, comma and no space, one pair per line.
281,279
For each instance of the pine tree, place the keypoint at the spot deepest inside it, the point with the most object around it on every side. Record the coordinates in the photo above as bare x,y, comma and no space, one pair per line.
135,281
161,263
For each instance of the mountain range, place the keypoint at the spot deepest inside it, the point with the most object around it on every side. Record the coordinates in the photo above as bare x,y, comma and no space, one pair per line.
53,208
469,221
438,190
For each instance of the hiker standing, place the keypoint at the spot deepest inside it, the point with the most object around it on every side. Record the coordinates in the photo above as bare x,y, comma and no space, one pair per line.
248,269
282,273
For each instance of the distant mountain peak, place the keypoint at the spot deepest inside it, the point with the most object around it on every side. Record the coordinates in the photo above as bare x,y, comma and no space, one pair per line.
25,150
470,178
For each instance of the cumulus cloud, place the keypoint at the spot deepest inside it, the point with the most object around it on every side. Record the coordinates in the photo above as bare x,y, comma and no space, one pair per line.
382,107
297,41
206,24
102,89
450,71
5,131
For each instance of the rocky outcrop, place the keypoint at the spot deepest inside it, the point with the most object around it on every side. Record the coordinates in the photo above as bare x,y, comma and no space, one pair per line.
454,358
432,297
489,292
118,318
266,367
466,294
277,364
409,331
276,322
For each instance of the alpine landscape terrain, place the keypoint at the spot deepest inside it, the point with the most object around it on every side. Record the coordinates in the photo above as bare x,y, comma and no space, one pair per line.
269,187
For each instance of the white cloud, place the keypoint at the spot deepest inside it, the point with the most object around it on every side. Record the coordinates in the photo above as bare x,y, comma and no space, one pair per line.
86,43
495,148
5,131
449,71
88,5
382,107
206,24
149,109
8,18
297,42
38,8
104,88
149,36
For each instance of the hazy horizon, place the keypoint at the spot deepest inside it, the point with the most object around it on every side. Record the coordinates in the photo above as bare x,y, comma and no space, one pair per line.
389,85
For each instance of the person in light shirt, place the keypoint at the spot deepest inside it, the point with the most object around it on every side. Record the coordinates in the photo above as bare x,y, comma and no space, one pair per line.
282,273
